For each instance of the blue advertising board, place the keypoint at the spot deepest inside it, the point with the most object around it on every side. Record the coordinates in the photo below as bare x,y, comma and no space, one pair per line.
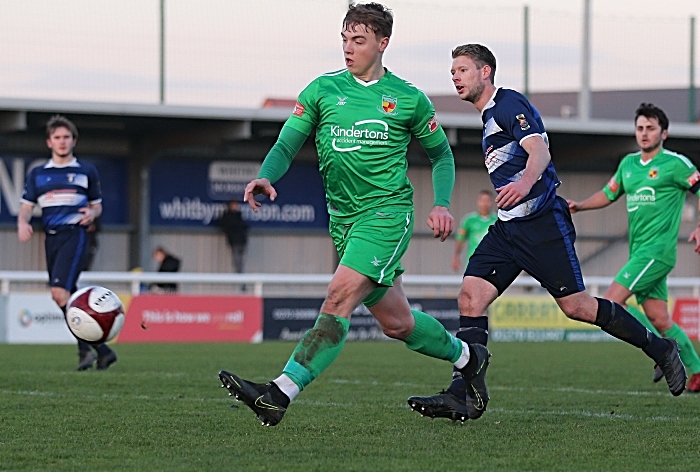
113,176
195,193
287,319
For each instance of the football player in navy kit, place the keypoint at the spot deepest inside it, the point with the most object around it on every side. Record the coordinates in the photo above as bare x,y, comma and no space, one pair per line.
69,195
534,233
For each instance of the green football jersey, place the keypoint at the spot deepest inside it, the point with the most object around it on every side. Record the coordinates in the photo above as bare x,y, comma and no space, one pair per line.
473,228
362,135
655,193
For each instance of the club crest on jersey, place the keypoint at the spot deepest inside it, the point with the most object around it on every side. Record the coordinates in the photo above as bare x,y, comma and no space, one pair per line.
433,124
388,105
653,173
298,109
524,125
70,177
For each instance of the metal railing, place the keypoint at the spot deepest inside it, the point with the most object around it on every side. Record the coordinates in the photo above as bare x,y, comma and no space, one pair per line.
136,280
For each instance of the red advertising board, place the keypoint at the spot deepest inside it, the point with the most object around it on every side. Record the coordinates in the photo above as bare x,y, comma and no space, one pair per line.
190,318
687,315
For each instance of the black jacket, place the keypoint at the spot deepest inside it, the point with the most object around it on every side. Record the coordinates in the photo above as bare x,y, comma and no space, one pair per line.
234,227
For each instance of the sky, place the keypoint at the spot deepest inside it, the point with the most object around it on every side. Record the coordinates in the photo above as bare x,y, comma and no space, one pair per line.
236,53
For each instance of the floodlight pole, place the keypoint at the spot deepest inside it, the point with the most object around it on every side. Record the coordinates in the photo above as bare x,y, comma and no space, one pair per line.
162,52
691,88
584,96
526,50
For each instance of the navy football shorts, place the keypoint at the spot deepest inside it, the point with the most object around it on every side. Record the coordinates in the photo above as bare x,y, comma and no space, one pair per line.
66,255
542,246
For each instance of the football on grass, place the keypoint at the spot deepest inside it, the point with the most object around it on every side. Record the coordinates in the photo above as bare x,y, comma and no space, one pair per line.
94,315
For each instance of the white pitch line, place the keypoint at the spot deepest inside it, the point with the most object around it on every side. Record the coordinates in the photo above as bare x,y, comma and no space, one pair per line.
491,411
584,391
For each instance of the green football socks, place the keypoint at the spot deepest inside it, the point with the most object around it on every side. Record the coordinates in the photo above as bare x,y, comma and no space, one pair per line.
642,318
429,337
317,349
688,355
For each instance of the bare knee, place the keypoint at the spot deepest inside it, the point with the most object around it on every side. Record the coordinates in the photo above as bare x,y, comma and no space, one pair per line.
475,296
579,306
398,330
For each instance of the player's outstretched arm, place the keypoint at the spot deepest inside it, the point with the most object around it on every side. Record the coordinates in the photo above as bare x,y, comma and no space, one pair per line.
24,229
258,187
441,222
275,165
457,256
595,201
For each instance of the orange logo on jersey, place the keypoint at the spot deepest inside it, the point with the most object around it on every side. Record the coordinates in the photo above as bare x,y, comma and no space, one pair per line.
653,173
433,124
613,185
298,109
694,178
388,104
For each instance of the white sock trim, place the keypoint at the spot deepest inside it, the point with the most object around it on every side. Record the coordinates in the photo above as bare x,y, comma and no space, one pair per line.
287,386
464,358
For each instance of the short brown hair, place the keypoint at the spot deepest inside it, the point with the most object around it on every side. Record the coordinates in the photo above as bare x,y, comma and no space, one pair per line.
374,16
60,121
478,53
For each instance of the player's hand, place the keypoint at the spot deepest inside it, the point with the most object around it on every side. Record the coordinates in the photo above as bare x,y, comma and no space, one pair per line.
441,222
24,231
695,235
258,187
511,194
88,216
573,206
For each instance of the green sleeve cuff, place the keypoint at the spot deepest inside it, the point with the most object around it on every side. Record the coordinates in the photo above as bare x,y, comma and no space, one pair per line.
280,157
443,173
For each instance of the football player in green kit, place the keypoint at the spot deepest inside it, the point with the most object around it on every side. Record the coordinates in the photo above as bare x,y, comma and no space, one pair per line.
364,117
473,228
654,181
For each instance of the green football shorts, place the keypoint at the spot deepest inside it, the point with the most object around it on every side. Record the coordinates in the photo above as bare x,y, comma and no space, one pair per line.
645,277
374,245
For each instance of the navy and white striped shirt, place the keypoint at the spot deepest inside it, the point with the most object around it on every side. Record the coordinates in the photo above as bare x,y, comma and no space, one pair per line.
509,119
60,191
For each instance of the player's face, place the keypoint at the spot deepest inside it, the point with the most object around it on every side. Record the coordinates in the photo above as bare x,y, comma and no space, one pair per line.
362,50
469,79
649,134
483,204
61,142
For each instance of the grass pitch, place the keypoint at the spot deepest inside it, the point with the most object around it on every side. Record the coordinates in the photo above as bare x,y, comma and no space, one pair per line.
554,406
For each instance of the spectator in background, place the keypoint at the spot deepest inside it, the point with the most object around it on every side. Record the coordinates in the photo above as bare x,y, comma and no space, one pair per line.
167,263
473,228
235,229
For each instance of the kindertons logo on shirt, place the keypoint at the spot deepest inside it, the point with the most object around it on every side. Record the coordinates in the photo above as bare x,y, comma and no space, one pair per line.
643,196
364,132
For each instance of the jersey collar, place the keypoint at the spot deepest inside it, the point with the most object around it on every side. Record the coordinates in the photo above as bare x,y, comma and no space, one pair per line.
491,102
51,163
371,82
641,161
